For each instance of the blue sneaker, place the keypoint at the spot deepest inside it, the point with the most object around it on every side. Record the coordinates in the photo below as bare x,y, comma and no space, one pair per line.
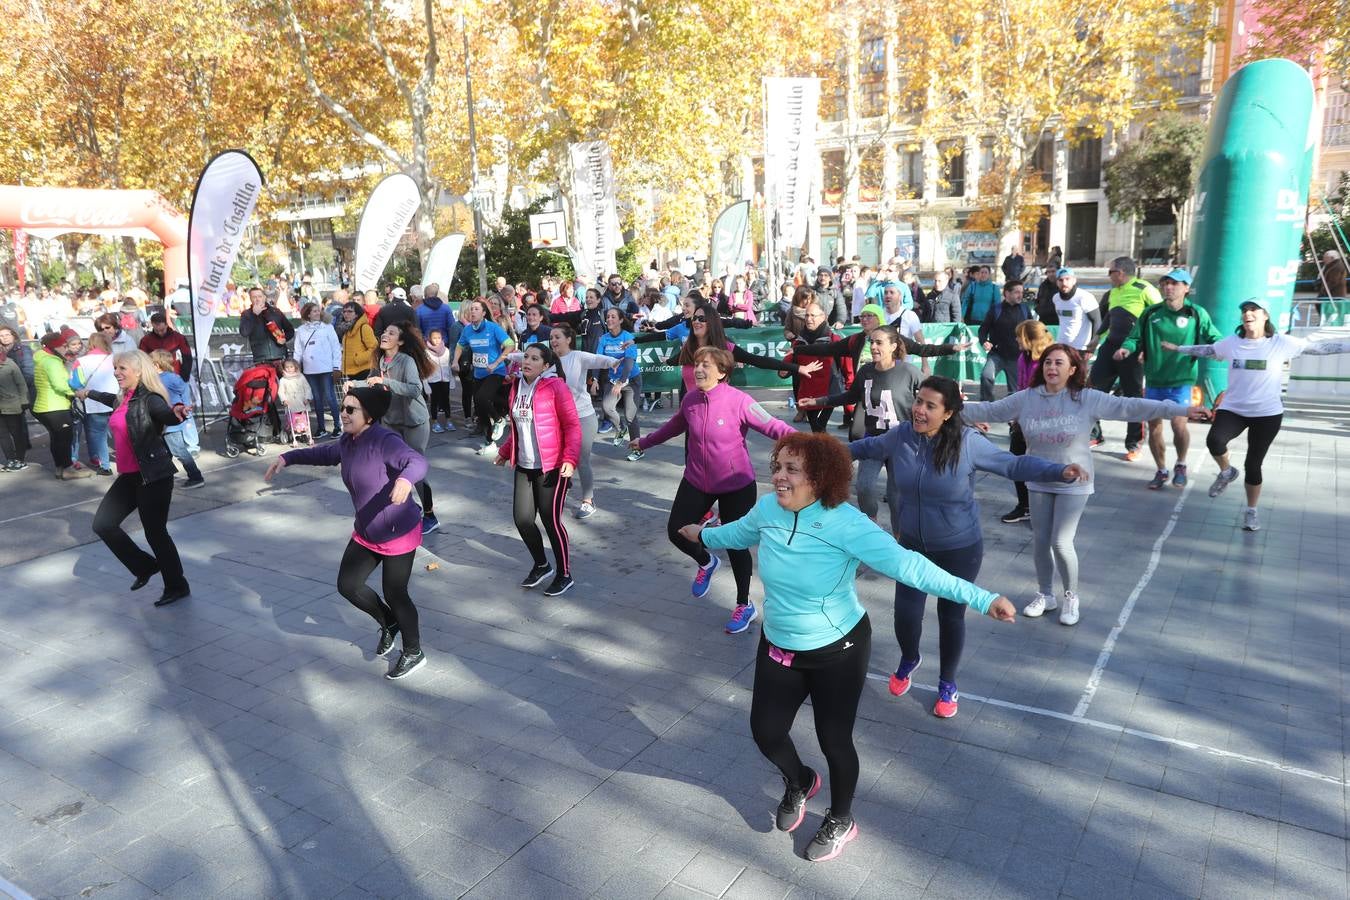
741,618
703,577
900,680
429,524
605,427
945,707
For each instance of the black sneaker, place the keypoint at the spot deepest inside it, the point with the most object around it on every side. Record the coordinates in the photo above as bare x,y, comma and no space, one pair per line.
537,576
194,482
407,664
792,809
561,585
1015,515
386,643
830,839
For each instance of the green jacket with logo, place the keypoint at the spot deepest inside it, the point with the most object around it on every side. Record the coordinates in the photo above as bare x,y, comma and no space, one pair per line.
1188,325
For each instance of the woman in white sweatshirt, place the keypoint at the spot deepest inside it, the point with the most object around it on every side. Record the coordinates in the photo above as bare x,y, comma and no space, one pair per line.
1056,415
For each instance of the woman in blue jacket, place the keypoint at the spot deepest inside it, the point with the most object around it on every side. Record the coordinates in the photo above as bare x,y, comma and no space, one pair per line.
816,639
933,459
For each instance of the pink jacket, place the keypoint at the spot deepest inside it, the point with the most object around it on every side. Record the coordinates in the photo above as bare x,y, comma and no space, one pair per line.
742,303
556,425
717,459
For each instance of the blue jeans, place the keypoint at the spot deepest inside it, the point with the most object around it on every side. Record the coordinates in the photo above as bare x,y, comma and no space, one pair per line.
325,397
95,439
177,444
994,364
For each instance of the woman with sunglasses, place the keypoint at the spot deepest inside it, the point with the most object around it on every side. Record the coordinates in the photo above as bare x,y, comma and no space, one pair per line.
1253,402
379,470
120,341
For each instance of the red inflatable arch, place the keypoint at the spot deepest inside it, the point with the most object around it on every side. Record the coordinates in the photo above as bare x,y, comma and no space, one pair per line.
50,212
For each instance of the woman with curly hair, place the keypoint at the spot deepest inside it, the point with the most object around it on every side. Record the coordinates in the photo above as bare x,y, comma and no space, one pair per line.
816,638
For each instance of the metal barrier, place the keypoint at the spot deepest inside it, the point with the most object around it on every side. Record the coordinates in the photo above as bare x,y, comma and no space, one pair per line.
1319,312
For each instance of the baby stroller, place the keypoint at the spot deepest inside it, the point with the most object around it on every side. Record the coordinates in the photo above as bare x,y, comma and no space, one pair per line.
255,393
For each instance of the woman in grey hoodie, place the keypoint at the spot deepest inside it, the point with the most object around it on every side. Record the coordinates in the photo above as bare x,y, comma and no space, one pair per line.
400,362
1056,415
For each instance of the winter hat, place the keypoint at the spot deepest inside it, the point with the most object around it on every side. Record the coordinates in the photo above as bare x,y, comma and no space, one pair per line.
374,400
873,309
55,339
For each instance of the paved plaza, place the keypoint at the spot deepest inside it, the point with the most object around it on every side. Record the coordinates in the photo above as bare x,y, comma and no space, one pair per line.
1186,739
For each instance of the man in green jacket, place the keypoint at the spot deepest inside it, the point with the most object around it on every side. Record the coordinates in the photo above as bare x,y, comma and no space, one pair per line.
1169,376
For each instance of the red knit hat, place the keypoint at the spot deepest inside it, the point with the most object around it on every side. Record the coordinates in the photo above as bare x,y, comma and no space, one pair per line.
55,339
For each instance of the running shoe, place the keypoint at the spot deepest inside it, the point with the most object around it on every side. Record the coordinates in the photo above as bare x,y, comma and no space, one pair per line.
1224,479
635,455
740,620
1068,614
657,404
1040,604
619,440
945,707
792,808
710,519
830,839
605,427
1015,515
703,577
1179,476
537,576
449,426
561,585
622,437
900,681
1132,454
498,429
191,482
586,510
489,449
407,664
1159,480
437,429
1249,520
386,643
429,524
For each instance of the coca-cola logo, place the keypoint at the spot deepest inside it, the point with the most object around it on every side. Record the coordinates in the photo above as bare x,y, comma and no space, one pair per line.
49,210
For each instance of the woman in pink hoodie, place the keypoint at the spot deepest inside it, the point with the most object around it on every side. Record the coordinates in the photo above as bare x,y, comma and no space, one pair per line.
717,469
544,445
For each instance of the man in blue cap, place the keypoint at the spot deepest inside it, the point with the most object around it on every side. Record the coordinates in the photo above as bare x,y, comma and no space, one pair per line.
1169,376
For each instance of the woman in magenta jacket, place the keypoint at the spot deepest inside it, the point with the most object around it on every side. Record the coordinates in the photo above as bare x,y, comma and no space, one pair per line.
717,469
544,444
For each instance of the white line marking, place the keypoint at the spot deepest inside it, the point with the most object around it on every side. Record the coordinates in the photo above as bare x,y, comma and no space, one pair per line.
1135,732
1095,679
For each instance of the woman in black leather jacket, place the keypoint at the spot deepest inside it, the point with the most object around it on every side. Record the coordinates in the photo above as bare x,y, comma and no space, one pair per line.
145,473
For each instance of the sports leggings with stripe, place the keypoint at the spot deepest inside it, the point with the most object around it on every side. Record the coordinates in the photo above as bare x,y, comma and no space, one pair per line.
542,495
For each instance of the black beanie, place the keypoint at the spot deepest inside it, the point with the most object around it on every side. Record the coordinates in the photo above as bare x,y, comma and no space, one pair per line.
374,400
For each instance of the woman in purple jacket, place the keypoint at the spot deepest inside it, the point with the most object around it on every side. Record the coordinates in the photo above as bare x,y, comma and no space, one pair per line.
379,470
717,469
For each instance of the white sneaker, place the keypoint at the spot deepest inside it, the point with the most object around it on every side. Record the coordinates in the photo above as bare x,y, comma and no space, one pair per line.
489,449
1223,480
1039,605
1249,520
1069,614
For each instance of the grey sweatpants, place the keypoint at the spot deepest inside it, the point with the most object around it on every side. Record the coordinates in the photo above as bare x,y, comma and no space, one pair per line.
585,474
1054,521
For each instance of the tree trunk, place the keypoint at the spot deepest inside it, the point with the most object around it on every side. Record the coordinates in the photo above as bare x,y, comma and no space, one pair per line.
134,262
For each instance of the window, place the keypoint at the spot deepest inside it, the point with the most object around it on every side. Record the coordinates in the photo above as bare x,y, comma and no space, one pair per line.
831,245
832,182
1336,122
758,164
871,172
911,173
836,90
953,172
1043,157
872,76
1085,164
869,240
986,156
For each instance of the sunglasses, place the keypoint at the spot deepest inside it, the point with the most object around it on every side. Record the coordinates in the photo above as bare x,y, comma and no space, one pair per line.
700,318
350,410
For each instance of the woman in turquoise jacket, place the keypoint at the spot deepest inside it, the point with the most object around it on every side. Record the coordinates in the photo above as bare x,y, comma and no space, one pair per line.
816,639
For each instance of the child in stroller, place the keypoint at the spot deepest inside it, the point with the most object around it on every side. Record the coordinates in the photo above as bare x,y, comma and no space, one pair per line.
296,401
255,394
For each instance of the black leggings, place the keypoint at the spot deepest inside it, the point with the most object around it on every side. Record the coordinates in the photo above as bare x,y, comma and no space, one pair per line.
963,562
440,400
488,401
13,436
152,502
1261,431
542,495
833,677
60,426
689,508
397,607
467,385
819,419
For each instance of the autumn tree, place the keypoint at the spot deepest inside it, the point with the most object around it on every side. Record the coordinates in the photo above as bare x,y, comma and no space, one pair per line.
1160,166
1308,32
1012,73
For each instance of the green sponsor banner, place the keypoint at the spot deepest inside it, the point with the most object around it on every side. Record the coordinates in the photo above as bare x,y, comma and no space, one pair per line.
660,373
1251,198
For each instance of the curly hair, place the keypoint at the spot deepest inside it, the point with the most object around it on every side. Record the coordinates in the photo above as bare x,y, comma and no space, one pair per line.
828,465
1077,378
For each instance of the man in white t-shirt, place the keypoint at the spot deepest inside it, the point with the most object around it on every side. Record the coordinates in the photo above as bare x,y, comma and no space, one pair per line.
905,320
1080,318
